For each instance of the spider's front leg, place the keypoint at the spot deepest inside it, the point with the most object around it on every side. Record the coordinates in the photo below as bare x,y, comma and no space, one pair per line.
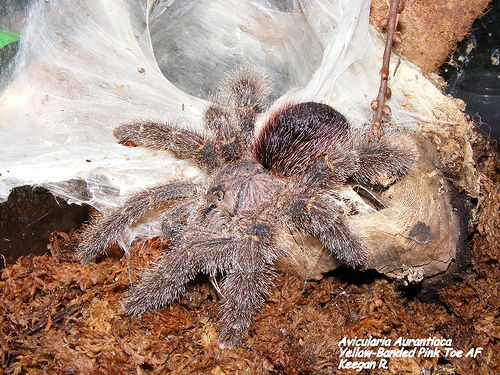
320,215
174,220
248,282
183,143
105,230
166,281
246,258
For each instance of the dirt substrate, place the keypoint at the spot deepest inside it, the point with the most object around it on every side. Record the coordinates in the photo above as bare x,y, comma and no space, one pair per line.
58,316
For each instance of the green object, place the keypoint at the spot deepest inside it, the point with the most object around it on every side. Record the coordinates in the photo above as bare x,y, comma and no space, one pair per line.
7,37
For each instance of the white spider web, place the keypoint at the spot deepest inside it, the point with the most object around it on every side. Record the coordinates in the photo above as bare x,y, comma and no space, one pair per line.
85,67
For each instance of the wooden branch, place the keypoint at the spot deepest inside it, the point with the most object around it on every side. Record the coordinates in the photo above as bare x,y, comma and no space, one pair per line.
384,91
54,319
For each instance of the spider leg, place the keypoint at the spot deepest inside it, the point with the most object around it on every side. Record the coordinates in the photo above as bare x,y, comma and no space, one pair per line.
247,260
105,230
364,158
244,91
218,120
174,219
331,170
183,143
383,160
321,216
248,282
166,281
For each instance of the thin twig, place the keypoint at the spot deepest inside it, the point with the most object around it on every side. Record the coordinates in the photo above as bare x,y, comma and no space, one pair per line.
379,104
56,318
120,343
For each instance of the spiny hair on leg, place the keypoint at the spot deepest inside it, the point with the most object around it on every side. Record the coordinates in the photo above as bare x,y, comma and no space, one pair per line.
245,87
185,144
105,229
385,159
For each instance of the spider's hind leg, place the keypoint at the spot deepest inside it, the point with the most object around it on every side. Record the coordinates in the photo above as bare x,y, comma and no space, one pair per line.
230,144
321,216
385,159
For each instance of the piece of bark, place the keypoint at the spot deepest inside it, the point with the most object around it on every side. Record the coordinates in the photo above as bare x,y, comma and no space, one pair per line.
418,233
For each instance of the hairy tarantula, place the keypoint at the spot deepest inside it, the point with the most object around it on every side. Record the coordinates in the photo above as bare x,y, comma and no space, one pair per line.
258,184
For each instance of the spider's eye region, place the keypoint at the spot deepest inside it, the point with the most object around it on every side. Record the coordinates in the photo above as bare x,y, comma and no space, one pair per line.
217,193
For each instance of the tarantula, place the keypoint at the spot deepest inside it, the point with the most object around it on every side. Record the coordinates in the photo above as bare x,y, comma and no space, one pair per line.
258,184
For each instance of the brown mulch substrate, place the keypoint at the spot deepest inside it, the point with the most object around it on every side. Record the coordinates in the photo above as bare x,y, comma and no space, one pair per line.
61,317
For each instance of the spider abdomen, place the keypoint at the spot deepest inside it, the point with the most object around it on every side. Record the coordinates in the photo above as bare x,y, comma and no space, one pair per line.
296,136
